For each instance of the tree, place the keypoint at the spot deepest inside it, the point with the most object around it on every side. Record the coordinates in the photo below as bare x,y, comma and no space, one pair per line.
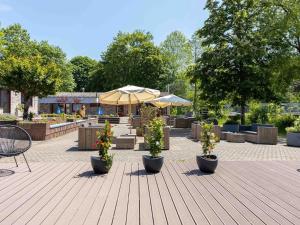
178,50
82,66
132,58
236,59
32,68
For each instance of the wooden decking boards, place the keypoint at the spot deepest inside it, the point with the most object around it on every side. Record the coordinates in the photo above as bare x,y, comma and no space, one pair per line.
240,192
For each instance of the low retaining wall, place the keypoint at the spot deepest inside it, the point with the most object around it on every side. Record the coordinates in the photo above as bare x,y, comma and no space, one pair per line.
45,131
112,120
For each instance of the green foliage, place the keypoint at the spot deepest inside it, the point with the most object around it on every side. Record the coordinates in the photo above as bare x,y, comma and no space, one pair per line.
104,143
236,59
283,121
155,136
178,51
208,138
132,58
32,68
295,128
258,113
148,113
233,119
82,66
7,117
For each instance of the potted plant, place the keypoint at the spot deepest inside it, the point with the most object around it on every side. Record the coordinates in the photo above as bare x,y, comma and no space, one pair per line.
102,163
293,134
154,162
207,162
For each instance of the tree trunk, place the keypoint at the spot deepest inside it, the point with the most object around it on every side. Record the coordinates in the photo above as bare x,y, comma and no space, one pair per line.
195,97
243,109
26,107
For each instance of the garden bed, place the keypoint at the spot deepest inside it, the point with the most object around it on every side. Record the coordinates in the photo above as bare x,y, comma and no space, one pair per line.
40,131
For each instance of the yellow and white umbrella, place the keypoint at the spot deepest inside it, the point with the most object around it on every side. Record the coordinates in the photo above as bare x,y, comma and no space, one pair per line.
128,95
170,100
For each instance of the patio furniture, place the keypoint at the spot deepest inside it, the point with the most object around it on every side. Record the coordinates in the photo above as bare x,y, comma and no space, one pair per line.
260,133
184,122
125,142
110,119
87,137
224,134
166,140
235,137
196,131
130,135
14,141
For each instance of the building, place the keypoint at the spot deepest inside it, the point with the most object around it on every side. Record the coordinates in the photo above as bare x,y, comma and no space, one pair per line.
70,103
11,101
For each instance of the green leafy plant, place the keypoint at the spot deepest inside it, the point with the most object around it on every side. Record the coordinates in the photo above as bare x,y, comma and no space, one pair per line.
155,136
148,113
7,117
208,139
295,128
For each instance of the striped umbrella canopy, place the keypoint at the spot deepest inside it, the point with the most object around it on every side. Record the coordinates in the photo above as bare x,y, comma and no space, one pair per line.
170,100
128,95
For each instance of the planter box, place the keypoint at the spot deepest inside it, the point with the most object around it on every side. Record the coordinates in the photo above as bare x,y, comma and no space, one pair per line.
87,137
45,131
196,131
185,122
9,122
293,139
112,120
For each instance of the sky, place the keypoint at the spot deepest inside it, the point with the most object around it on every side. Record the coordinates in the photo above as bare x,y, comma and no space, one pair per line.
87,27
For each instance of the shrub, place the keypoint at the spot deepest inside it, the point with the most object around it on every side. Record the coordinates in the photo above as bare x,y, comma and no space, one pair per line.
7,117
155,136
258,113
148,113
295,128
208,138
283,121
233,119
104,143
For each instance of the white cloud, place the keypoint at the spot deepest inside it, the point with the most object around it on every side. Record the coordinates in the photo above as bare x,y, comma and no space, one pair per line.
5,8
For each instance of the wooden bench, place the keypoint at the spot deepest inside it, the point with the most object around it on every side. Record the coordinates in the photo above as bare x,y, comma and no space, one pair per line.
125,142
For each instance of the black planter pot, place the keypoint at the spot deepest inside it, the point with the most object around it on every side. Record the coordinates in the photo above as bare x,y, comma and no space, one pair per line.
207,165
153,165
99,165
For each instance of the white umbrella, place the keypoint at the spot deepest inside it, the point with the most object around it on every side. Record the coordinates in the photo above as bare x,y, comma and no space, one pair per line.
170,100
128,95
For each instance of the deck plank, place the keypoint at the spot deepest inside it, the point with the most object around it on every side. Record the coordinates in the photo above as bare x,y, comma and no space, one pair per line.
53,185
133,198
69,193
122,204
146,217
96,209
112,198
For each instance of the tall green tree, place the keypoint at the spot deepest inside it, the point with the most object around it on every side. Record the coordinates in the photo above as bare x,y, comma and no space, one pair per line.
178,50
236,60
32,68
82,66
132,58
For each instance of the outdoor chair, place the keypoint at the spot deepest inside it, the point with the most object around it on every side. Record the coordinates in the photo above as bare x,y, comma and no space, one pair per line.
14,141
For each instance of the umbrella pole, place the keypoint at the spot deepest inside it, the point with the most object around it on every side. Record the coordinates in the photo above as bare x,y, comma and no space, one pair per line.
129,110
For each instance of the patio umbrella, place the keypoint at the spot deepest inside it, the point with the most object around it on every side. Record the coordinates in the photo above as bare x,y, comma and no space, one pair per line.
170,100
128,95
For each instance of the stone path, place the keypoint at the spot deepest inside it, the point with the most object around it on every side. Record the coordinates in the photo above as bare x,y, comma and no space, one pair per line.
64,148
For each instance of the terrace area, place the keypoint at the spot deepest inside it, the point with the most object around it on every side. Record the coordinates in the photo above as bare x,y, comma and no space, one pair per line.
253,184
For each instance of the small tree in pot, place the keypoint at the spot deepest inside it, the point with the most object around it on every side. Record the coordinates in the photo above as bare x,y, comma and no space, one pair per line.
154,162
207,162
103,163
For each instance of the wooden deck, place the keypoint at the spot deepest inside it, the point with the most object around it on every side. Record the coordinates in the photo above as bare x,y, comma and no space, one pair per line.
244,192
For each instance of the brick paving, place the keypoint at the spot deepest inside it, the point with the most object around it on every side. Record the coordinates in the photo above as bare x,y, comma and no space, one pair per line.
182,148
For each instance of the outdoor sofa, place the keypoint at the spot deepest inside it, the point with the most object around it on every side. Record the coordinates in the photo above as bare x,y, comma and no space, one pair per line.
260,133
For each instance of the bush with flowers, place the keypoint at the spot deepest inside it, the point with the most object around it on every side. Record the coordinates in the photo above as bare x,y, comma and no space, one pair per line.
104,143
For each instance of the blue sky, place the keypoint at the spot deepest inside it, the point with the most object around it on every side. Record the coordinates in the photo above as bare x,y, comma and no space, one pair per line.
86,27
